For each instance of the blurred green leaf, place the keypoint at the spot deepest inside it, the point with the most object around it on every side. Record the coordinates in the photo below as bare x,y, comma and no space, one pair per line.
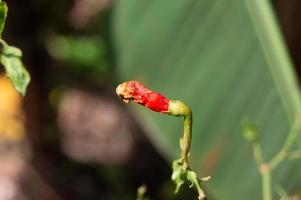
3,14
226,59
10,58
86,53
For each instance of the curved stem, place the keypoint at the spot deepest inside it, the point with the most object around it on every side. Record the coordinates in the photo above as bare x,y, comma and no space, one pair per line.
283,153
180,109
186,139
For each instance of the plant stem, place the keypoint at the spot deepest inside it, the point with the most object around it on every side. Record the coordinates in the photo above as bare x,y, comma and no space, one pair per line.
266,182
257,153
186,139
180,109
283,153
264,170
281,193
181,168
294,155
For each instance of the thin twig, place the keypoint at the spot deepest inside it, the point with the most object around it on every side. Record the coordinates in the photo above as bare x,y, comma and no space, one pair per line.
294,155
284,152
266,182
257,153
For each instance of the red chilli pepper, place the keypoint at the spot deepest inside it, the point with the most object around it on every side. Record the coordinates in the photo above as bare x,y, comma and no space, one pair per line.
136,91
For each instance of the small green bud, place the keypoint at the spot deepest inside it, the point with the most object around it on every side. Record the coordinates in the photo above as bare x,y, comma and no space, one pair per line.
250,132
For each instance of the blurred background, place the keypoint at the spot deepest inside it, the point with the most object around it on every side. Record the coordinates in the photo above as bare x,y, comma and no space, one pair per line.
72,138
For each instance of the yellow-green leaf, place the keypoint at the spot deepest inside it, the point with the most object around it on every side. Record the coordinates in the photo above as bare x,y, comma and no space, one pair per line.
3,14
10,58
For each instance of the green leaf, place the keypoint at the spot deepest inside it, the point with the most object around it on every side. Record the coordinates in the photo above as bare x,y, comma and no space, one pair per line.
178,175
182,174
86,52
10,58
3,14
226,60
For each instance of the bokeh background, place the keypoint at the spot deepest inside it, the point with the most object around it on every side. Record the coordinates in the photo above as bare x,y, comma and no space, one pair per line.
72,138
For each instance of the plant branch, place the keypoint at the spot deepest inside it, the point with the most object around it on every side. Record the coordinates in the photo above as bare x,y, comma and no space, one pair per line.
264,170
250,133
284,152
266,182
181,168
281,192
257,153
294,155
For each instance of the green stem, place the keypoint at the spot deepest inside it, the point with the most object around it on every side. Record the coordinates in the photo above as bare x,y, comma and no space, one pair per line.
201,192
186,139
266,184
264,170
283,153
281,193
181,169
179,109
257,153
294,155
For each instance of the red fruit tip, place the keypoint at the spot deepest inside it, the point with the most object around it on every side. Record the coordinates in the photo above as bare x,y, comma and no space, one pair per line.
136,91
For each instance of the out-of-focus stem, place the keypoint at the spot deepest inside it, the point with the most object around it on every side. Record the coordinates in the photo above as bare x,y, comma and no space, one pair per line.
266,183
264,170
284,152
294,155
257,153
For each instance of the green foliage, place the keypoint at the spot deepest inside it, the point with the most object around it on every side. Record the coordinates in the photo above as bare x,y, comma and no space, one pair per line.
178,175
86,53
3,14
182,174
226,60
10,58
